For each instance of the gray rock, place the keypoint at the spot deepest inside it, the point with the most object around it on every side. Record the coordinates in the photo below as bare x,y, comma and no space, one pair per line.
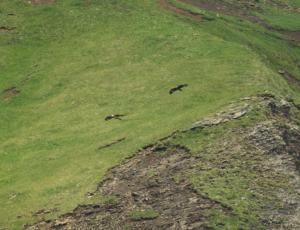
231,114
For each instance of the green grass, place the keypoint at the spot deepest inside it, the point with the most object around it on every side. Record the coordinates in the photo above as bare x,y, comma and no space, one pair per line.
147,214
75,63
294,3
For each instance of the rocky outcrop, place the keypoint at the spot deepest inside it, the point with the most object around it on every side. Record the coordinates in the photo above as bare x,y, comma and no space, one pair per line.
223,117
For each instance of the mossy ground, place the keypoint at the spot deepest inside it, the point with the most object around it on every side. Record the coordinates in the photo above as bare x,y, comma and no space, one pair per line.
147,214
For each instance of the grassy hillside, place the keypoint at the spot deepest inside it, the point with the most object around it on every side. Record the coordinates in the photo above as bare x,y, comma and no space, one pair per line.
74,62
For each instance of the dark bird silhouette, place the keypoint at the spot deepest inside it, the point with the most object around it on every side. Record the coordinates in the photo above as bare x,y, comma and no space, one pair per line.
177,88
114,116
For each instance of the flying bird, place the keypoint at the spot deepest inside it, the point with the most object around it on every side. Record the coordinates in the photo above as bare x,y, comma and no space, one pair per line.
114,116
177,88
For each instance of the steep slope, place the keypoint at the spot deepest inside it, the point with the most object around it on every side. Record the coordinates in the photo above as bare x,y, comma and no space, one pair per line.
66,65
238,169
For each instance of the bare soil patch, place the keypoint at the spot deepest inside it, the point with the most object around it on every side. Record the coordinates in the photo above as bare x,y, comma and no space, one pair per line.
179,11
244,9
10,92
293,36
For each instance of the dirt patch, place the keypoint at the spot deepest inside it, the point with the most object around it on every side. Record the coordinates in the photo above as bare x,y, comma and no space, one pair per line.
40,2
241,8
293,36
4,29
10,92
167,5
244,10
